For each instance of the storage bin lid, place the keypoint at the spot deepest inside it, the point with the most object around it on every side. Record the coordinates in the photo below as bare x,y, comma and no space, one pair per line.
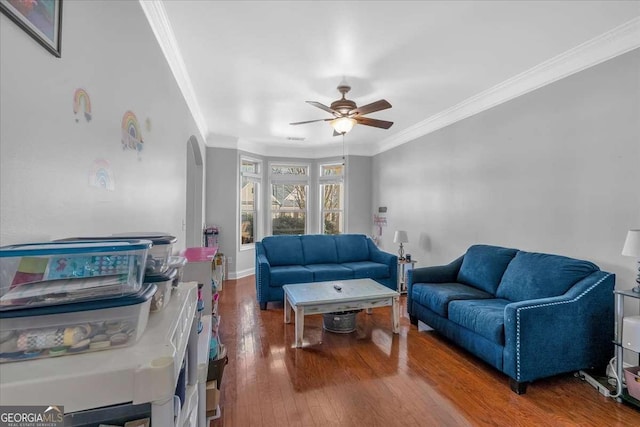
141,296
162,277
199,254
157,238
177,261
73,246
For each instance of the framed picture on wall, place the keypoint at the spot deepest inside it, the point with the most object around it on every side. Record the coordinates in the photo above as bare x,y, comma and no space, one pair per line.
41,19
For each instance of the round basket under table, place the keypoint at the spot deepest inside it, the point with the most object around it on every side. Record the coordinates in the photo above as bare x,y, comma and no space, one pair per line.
343,322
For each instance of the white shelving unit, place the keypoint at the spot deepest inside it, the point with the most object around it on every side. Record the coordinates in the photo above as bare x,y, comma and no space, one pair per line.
145,372
203,367
199,269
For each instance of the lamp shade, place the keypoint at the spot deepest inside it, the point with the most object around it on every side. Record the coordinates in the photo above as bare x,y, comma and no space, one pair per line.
343,124
400,237
632,244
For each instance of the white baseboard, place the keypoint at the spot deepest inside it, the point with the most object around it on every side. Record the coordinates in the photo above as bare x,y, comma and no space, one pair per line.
233,275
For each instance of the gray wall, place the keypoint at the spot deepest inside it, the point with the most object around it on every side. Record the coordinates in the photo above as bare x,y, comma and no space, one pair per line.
48,154
556,170
358,179
222,199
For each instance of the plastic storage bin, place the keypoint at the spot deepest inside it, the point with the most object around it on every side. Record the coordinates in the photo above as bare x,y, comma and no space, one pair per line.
216,366
158,260
52,273
632,377
81,327
177,263
164,282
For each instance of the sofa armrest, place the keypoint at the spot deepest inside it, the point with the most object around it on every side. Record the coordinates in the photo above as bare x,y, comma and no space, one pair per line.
435,274
391,260
263,277
378,255
561,334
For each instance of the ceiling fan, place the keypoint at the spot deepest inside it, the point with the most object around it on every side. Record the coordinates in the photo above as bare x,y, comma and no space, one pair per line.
346,113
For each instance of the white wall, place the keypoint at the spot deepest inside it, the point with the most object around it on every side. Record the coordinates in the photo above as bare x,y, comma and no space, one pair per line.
47,157
556,170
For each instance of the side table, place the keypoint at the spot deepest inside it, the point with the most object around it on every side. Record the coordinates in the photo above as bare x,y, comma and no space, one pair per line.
402,274
620,345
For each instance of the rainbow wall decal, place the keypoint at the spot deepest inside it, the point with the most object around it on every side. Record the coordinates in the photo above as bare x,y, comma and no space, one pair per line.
131,136
81,102
101,175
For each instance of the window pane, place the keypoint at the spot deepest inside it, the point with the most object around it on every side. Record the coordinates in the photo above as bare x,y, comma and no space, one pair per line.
289,170
249,166
288,197
288,223
248,210
332,223
331,196
247,194
247,228
332,170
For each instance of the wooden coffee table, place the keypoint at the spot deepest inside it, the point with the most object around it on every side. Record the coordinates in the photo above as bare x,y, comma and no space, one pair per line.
323,297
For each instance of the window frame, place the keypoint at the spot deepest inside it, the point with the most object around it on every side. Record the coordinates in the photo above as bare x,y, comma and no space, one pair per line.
278,179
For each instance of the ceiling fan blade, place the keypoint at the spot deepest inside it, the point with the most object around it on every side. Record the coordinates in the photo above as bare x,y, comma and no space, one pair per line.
380,105
311,121
323,107
373,122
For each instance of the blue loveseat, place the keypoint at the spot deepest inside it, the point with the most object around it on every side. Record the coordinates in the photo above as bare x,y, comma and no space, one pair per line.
284,260
530,315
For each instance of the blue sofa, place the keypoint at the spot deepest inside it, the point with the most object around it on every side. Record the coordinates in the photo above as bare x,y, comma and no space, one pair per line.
530,315
284,260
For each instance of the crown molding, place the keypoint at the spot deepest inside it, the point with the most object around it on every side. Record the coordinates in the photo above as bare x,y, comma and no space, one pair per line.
615,42
159,22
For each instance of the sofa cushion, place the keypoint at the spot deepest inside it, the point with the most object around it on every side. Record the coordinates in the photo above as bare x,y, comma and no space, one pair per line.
436,296
325,272
370,269
283,250
352,247
319,249
287,274
483,266
484,317
534,275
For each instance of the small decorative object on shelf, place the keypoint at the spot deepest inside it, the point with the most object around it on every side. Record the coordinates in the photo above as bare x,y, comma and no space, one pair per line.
210,236
632,248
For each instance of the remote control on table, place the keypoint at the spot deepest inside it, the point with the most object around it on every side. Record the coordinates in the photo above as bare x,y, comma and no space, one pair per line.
337,287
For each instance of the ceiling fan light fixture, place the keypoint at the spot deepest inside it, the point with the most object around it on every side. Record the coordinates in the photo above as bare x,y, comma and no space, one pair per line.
342,125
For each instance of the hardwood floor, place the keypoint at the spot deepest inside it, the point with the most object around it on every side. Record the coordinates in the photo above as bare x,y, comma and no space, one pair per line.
374,378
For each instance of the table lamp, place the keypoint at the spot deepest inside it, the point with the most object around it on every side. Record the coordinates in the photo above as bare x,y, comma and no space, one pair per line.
401,237
632,248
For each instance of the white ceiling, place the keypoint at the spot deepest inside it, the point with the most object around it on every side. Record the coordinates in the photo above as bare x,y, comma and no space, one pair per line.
252,64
